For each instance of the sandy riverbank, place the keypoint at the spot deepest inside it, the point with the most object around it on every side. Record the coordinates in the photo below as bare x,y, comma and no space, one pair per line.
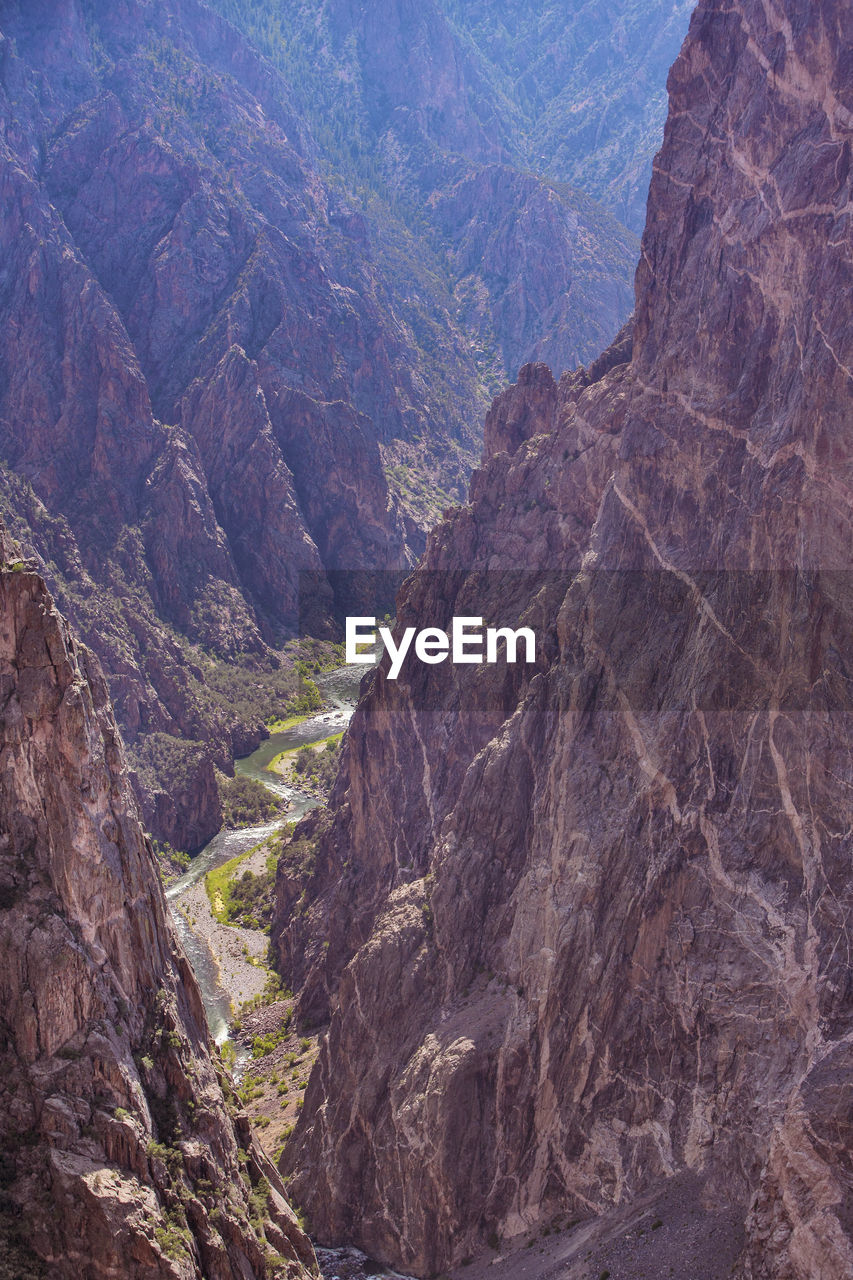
234,948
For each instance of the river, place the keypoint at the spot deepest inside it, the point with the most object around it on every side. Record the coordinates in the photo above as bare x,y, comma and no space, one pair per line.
340,693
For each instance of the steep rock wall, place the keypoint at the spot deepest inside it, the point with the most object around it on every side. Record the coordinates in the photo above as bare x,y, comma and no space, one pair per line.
587,924
125,1152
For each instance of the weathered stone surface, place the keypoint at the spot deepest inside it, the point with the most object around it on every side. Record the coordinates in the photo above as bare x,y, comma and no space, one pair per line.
176,274
588,925
124,1152
525,410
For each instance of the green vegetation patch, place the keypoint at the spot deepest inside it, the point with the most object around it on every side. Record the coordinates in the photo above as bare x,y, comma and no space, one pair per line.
319,767
314,656
265,1044
172,863
246,898
314,763
282,726
308,699
247,803
273,992
251,900
298,856
218,885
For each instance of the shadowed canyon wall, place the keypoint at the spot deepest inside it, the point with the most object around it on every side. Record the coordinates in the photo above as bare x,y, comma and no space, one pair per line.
583,927
124,1150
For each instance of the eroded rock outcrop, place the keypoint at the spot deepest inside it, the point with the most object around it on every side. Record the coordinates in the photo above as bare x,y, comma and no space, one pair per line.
587,922
124,1150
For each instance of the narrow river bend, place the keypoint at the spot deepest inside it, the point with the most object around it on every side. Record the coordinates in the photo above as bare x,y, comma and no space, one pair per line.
340,693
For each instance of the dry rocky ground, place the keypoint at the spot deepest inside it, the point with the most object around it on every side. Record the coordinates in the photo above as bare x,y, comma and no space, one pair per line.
272,1084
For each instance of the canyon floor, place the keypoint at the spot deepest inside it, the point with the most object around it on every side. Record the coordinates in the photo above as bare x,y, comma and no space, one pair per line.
240,953
273,1061
666,1233
272,1085
271,1058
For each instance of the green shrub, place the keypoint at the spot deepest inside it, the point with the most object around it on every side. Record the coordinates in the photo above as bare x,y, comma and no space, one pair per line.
251,900
264,1045
246,802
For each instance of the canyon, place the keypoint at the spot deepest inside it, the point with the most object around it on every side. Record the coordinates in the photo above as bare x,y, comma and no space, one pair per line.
123,1149
580,932
572,92
571,934
239,374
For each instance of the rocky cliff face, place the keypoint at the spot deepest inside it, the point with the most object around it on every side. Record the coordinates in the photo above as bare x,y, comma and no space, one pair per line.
123,1150
586,922
228,357
541,276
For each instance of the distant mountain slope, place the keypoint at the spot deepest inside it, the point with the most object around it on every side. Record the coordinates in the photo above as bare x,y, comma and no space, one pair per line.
588,80
573,91
197,366
404,105
226,359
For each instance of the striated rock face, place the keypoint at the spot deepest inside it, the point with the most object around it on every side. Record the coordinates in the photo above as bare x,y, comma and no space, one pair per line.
587,922
124,1151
